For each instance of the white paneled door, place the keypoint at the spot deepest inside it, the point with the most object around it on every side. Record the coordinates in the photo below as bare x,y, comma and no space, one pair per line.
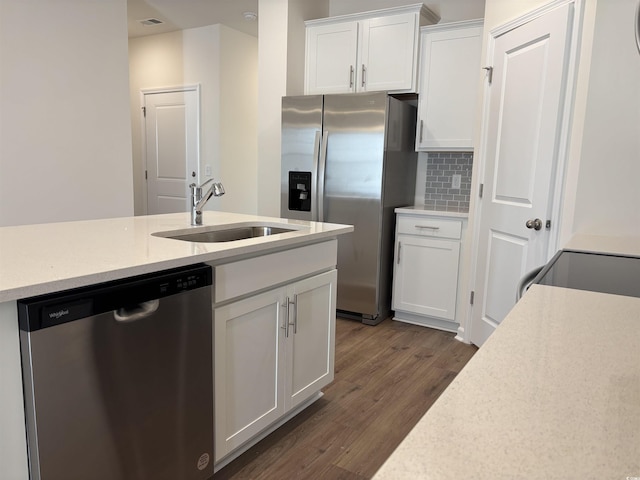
520,149
172,153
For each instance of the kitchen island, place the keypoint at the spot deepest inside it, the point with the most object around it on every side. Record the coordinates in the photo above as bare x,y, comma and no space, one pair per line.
554,393
41,259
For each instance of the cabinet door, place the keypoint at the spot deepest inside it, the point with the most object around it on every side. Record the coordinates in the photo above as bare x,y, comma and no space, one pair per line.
311,341
425,276
388,54
331,58
248,368
450,66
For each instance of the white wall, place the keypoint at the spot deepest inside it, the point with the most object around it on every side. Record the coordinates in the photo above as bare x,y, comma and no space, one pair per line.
447,10
238,122
608,190
154,61
280,73
65,138
272,86
223,62
299,11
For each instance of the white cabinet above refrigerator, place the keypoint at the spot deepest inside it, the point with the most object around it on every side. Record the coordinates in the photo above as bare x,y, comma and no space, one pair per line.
365,52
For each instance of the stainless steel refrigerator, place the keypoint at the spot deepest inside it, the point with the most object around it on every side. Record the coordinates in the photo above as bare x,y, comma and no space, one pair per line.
350,159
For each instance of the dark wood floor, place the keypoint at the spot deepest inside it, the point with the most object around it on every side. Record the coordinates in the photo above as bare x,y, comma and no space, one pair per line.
386,378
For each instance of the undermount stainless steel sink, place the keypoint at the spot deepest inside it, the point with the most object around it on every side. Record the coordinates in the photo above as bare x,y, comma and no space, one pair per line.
228,234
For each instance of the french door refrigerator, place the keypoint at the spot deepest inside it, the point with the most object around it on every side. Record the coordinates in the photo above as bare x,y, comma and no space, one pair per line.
350,159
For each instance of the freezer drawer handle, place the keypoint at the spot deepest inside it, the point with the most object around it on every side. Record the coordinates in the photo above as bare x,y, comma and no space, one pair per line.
141,310
428,227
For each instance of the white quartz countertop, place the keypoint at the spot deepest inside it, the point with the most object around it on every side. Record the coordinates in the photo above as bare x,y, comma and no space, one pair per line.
553,394
419,210
38,259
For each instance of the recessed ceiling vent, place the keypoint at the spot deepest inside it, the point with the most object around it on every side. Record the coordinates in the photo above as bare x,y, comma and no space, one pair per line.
150,22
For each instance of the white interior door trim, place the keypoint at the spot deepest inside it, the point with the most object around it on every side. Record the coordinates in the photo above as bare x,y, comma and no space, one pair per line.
562,224
148,91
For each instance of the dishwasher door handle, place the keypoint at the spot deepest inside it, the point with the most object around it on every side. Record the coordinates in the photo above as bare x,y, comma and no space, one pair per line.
141,310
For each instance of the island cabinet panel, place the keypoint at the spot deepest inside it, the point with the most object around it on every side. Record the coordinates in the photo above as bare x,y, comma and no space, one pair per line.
449,74
244,277
248,369
274,351
371,51
311,337
13,445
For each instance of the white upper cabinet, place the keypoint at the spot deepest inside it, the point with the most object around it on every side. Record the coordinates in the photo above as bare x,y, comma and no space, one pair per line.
388,53
449,74
331,58
365,52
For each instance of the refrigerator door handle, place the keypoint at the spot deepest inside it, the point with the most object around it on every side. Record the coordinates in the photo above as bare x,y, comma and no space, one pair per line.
321,172
314,182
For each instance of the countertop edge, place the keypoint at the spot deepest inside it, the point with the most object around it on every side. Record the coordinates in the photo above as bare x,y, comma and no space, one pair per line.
240,249
418,210
428,452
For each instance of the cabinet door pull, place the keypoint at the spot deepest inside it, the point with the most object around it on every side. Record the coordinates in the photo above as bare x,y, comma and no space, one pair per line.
399,248
351,76
364,73
421,129
295,313
428,227
286,318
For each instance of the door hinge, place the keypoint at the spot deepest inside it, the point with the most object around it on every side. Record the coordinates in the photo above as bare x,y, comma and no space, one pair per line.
489,73
481,190
144,111
471,297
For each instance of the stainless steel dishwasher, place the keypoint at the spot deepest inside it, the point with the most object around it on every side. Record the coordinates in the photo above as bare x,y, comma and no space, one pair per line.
118,379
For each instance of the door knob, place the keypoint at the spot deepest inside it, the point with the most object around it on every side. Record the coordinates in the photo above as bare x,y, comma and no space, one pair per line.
536,224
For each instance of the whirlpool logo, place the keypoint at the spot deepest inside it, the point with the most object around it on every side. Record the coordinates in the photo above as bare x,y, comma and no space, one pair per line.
59,313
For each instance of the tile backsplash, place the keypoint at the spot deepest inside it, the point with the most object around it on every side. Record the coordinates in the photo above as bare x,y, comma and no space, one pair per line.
440,169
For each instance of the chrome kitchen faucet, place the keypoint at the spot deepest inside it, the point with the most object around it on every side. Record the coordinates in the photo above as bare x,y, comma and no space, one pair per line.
198,200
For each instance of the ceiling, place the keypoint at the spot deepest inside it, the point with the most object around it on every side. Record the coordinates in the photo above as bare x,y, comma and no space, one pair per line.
183,14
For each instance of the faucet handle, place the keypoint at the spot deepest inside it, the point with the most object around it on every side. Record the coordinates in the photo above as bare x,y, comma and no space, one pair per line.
205,183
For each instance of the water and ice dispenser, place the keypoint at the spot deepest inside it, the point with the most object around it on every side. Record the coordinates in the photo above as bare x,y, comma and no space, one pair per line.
300,191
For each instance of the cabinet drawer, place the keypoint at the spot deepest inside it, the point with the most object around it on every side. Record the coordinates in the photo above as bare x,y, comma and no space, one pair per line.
253,274
429,226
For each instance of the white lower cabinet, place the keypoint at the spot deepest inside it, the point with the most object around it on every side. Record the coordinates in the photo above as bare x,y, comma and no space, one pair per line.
273,351
425,276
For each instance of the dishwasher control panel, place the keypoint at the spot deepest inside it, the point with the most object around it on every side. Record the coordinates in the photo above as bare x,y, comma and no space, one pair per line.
53,309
